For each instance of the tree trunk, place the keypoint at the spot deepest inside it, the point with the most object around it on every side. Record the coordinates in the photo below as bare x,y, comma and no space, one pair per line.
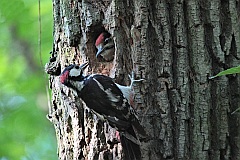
175,46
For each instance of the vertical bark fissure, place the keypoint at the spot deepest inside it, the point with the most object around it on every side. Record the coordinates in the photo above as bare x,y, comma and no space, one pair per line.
190,76
229,47
173,95
160,50
199,63
180,77
213,151
191,84
226,27
233,119
219,93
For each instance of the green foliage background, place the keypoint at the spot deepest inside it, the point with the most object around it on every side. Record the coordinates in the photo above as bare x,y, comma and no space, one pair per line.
25,132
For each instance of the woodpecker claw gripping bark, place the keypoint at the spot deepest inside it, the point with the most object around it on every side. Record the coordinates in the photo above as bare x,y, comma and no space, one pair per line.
132,79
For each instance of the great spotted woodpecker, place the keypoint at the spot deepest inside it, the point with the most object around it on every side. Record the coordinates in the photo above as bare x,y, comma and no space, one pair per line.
107,99
105,47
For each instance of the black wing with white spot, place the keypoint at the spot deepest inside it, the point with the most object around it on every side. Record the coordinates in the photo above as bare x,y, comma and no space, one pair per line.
101,94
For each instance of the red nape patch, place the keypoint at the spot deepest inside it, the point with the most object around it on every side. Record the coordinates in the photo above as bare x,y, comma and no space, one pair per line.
64,76
100,39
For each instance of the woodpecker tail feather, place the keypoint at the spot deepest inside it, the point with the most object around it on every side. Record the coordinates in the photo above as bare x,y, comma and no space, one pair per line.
131,150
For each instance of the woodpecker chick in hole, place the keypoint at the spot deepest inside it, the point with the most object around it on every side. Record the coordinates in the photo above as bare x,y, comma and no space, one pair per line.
105,47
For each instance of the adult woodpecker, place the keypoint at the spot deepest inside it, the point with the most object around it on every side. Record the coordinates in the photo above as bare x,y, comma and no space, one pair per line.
106,98
105,47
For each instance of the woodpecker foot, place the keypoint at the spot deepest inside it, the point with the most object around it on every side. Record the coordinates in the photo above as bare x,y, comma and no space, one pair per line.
132,79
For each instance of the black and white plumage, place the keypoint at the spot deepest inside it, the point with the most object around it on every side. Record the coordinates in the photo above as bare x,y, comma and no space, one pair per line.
105,97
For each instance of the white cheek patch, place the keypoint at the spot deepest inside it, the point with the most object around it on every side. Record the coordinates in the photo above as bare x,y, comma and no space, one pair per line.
75,72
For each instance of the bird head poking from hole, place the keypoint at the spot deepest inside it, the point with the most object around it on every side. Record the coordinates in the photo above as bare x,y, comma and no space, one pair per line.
105,47
100,39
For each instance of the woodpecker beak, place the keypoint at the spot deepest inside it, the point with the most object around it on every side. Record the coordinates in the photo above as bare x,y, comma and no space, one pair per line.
84,66
100,48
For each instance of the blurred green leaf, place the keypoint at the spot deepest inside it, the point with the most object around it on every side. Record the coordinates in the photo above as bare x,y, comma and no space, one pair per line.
25,131
233,70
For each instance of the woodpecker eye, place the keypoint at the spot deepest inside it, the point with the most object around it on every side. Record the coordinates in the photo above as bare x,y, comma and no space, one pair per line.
107,40
77,67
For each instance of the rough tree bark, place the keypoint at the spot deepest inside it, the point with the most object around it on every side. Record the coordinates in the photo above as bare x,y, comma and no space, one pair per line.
175,46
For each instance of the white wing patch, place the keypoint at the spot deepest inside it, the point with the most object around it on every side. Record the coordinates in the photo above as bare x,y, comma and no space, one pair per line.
126,90
99,84
110,95
75,72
